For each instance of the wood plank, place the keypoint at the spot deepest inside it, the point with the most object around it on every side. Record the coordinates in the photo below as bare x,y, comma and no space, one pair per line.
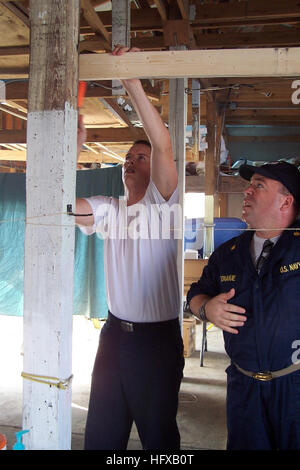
244,21
251,9
93,135
13,111
269,39
146,19
18,13
208,17
183,6
264,122
265,62
161,7
226,184
278,8
13,136
14,50
264,103
95,22
263,139
98,89
13,30
232,184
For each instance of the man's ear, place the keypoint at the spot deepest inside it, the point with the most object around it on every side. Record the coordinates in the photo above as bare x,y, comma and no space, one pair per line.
287,202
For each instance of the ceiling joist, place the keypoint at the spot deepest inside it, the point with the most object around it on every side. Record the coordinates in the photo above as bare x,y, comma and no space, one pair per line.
269,62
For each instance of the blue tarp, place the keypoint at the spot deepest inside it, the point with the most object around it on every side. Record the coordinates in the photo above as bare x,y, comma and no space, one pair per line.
89,281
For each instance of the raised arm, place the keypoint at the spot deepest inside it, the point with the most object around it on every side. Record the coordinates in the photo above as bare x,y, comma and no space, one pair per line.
82,206
163,168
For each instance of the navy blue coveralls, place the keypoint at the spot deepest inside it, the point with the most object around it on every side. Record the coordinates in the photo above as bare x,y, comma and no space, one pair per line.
260,415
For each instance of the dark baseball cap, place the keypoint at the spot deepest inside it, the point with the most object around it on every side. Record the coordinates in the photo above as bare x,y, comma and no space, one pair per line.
287,173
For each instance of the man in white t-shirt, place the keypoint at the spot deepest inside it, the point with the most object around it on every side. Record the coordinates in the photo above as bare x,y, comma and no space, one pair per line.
139,363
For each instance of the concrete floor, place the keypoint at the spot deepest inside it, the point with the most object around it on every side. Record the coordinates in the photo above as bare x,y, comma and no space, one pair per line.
201,414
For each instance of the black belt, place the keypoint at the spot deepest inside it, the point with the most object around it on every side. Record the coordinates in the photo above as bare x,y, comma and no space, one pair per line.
136,326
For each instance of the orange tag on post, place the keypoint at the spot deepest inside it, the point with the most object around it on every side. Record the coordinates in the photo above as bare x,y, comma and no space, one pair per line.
81,93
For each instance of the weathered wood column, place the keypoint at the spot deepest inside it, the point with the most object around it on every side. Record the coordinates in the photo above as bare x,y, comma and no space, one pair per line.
177,127
49,241
195,119
210,178
120,32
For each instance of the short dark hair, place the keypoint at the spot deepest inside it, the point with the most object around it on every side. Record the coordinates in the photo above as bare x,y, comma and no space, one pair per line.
143,142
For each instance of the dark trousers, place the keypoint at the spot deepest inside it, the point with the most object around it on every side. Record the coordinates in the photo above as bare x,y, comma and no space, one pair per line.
263,415
136,377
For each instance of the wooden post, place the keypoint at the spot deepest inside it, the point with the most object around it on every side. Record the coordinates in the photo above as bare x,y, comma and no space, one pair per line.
210,178
195,118
49,240
177,126
120,32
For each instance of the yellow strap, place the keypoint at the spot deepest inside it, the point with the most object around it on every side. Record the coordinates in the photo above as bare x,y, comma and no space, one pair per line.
62,384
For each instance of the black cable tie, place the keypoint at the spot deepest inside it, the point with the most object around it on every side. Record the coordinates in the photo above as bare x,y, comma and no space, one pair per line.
70,212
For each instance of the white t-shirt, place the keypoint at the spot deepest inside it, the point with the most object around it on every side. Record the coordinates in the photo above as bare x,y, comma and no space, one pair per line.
140,260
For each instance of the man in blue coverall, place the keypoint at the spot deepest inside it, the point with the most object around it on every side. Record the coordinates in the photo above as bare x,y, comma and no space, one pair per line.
257,305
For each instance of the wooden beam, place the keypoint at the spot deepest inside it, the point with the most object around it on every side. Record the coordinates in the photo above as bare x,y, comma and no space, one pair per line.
183,6
262,139
207,17
16,90
95,22
226,184
99,89
13,137
251,9
116,109
146,19
13,111
93,135
160,5
263,103
18,13
266,62
84,157
176,33
242,22
263,39
232,184
14,50
50,239
248,120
